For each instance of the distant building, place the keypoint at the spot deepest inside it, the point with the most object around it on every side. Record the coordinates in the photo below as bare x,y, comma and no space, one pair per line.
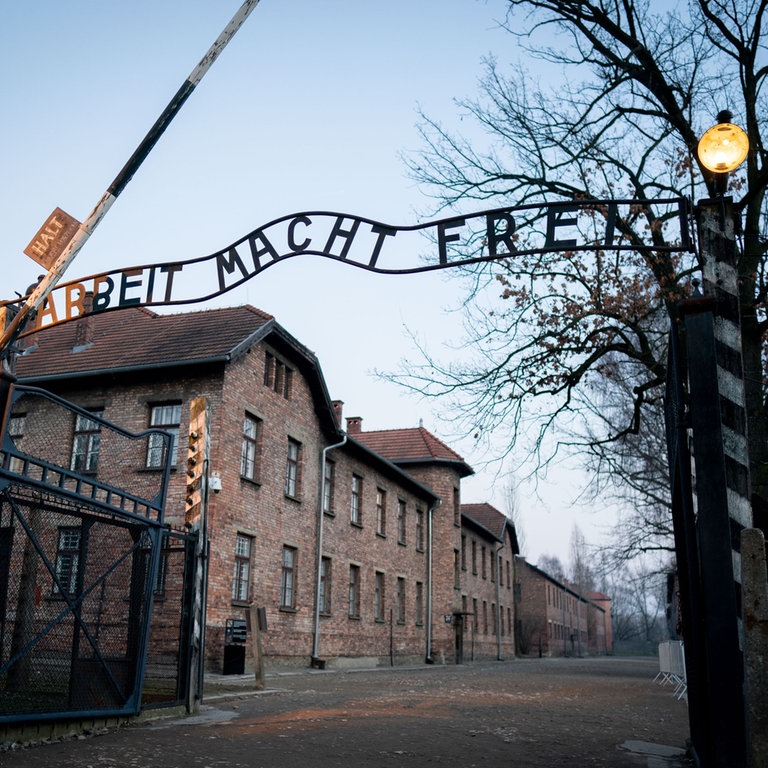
554,619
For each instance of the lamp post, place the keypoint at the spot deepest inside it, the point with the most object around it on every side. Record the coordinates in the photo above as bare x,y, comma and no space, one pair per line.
722,149
717,421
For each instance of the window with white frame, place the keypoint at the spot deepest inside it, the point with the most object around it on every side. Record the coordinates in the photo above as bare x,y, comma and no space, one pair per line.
328,486
165,416
67,560
293,469
86,442
288,578
241,579
400,600
356,501
251,448
378,596
353,602
420,530
381,512
401,521
325,585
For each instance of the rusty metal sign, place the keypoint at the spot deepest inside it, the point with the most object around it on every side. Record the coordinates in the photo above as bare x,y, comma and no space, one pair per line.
52,238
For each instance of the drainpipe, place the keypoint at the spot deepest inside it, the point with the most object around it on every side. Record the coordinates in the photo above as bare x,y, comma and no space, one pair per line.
497,566
428,657
319,553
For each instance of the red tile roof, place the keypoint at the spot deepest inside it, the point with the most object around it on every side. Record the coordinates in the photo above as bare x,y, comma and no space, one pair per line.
407,445
138,338
487,516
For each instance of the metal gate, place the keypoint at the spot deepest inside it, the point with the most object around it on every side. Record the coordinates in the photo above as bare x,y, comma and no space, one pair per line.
95,591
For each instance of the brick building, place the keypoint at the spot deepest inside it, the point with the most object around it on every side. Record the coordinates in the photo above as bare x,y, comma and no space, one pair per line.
554,619
486,566
349,542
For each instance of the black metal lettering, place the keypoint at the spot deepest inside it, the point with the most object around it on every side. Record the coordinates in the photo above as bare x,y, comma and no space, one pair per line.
292,244
101,298
443,239
505,235
556,218
382,232
228,261
347,235
257,253
170,270
126,284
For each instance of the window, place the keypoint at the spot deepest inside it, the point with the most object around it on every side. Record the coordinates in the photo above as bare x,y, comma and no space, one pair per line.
419,603
482,562
509,579
378,597
493,565
329,476
242,576
292,469
16,425
420,530
277,376
456,569
400,521
463,551
67,561
474,615
355,513
354,592
325,585
381,512
456,507
86,443
474,557
251,451
168,418
400,600
288,579
485,617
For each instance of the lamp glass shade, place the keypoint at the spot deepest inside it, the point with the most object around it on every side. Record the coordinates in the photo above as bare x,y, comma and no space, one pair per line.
723,148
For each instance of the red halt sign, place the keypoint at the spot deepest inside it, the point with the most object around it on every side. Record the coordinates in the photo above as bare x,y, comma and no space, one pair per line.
52,238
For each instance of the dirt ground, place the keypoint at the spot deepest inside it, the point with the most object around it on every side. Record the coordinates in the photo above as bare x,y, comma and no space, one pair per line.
600,712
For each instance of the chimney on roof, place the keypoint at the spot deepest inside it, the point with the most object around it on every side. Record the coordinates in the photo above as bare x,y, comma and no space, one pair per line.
338,406
354,425
84,326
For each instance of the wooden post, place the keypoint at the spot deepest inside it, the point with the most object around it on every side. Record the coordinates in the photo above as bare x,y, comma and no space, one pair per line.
256,650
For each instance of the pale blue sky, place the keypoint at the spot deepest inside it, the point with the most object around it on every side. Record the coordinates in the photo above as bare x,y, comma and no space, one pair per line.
308,108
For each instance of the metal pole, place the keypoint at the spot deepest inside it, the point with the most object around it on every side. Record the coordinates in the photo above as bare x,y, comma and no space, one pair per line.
57,269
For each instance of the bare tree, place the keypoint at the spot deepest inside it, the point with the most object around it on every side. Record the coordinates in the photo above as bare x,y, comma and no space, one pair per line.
640,82
514,513
581,572
553,566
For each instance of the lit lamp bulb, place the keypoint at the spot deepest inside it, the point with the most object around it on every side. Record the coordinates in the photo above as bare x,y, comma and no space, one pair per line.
724,147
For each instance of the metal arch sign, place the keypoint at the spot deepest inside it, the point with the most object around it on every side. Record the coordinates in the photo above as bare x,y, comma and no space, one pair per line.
364,243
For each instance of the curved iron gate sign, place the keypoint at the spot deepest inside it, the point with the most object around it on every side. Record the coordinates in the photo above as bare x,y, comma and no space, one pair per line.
368,244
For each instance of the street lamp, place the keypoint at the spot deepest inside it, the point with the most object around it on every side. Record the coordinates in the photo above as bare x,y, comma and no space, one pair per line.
722,149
